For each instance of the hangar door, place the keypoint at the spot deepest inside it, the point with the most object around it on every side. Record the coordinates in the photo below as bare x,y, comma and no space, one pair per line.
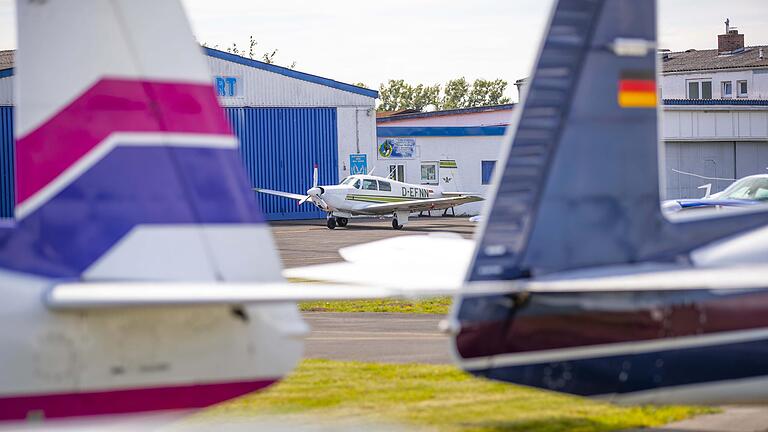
6,162
725,160
280,146
708,159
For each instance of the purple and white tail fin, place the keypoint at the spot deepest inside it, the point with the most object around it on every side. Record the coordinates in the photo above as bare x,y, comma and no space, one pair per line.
126,165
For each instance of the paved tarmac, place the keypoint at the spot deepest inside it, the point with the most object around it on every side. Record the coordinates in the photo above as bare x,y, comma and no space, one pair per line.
403,338
377,337
309,242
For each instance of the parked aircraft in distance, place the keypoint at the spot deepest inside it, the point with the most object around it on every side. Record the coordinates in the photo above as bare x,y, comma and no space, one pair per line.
745,192
368,195
578,283
139,273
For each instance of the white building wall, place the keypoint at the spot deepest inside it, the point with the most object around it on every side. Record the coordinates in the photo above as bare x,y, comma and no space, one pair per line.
263,88
715,123
467,151
357,134
674,85
6,91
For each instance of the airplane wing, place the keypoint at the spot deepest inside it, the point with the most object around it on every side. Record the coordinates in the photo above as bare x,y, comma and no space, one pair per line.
419,205
93,295
404,261
280,193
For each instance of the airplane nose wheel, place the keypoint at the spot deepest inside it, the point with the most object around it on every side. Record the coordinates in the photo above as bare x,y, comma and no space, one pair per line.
396,225
331,223
342,221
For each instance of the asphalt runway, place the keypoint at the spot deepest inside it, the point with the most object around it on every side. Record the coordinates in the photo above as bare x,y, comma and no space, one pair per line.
309,242
377,337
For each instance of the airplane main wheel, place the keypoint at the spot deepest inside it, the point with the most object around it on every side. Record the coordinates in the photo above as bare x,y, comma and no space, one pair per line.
396,225
342,221
331,223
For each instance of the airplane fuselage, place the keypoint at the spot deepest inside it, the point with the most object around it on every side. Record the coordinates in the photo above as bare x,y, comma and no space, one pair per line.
75,363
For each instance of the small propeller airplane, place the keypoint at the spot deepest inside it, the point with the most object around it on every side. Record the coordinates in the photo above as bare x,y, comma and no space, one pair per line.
578,283
369,195
139,273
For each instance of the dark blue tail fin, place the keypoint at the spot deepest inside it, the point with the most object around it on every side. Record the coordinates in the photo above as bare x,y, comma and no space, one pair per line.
579,184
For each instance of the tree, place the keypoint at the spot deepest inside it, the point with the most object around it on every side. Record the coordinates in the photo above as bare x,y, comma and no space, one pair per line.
487,92
455,94
398,95
268,57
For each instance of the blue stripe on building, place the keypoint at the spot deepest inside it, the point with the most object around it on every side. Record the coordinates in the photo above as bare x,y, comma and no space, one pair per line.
279,147
439,131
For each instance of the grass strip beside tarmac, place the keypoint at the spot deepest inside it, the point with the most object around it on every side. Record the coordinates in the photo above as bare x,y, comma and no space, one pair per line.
436,305
348,395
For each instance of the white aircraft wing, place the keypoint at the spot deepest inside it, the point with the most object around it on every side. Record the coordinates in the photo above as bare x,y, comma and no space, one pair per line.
419,205
426,264
91,295
280,193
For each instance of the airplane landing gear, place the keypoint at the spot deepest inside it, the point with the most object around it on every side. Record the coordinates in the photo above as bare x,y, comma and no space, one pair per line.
331,223
396,225
342,221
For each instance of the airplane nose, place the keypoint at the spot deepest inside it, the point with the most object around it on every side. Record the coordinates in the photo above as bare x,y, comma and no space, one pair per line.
315,191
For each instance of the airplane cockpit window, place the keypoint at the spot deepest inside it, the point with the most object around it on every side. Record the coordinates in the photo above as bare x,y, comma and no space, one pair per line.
369,184
749,188
357,184
384,186
347,180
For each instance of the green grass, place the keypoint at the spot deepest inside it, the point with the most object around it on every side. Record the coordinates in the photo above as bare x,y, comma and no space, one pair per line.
437,305
431,397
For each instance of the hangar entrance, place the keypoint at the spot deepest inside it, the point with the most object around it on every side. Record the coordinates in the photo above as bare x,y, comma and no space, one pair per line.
715,159
279,148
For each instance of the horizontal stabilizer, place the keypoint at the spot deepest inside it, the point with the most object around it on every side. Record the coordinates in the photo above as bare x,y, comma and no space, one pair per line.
426,264
95,295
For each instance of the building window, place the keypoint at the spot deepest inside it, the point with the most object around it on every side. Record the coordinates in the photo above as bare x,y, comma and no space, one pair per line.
397,172
741,86
487,171
699,89
726,87
429,173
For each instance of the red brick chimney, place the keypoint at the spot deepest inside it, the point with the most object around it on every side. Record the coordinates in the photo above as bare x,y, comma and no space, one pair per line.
730,41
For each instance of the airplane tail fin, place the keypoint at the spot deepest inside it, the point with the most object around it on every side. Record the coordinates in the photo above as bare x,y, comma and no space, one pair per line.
447,177
579,184
126,165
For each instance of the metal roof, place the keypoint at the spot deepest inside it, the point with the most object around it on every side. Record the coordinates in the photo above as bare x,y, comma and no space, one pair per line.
696,60
750,102
234,58
7,60
457,111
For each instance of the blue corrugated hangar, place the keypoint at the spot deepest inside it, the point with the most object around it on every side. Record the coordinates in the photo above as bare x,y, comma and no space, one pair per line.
286,121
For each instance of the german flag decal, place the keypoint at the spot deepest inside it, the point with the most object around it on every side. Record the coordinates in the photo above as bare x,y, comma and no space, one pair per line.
637,89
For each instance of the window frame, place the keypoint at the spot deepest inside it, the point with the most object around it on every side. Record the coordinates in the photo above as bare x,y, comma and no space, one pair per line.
699,88
436,166
394,174
388,184
369,181
738,89
723,95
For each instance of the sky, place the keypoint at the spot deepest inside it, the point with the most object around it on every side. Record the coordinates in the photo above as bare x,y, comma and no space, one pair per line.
424,41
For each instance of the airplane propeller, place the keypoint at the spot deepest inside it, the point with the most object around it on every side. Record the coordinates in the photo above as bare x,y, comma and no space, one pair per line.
313,193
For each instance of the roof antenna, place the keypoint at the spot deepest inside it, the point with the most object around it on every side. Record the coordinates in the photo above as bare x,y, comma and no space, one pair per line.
371,171
727,25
